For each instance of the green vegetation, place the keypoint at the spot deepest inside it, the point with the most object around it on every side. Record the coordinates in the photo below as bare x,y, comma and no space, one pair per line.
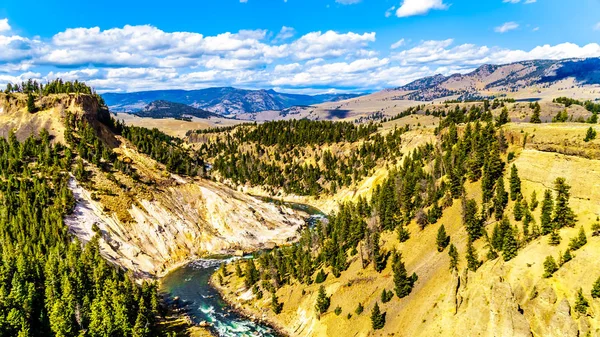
550,266
581,303
377,318
323,301
596,289
590,135
272,154
453,253
51,285
442,239
588,105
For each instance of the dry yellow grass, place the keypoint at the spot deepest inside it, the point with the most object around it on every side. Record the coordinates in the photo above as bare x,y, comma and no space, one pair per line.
500,299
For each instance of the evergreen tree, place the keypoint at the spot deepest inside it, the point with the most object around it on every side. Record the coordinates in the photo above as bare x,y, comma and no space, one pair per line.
590,134
379,258
473,222
563,215
510,246
579,241
323,301
403,284
321,277
581,303
442,239
535,117
500,200
473,262
30,103
534,202
546,217
275,305
596,289
550,266
386,296
518,210
359,309
453,253
251,275
377,318
566,257
503,117
554,238
515,183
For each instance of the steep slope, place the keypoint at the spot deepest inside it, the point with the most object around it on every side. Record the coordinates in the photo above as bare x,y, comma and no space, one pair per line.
150,220
501,298
224,101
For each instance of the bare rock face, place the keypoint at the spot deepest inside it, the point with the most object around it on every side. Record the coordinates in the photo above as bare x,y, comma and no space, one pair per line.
180,223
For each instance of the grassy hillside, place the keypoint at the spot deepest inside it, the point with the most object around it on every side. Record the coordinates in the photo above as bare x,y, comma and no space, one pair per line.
499,297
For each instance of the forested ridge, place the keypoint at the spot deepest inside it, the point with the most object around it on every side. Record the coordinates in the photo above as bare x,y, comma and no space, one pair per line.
471,147
49,284
302,157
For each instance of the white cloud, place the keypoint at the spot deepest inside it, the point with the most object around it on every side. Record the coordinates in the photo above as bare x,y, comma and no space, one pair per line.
419,7
507,26
285,33
4,26
597,26
390,11
329,44
397,44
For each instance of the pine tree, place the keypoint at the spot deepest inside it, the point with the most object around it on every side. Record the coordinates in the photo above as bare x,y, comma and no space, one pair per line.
30,103
518,210
379,259
377,318
581,303
453,253
473,262
473,222
546,217
275,305
252,275
550,266
402,283
554,238
596,289
323,301
442,239
579,241
321,277
359,309
510,246
515,183
566,257
503,117
563,215
535,117
534,202
500,200
590,135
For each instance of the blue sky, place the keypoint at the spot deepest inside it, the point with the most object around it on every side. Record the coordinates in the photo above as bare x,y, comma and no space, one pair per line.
294,45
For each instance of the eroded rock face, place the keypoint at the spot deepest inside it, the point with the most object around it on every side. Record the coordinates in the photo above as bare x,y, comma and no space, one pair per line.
182,221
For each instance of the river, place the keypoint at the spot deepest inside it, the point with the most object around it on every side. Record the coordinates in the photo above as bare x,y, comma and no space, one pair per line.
204,303
190,284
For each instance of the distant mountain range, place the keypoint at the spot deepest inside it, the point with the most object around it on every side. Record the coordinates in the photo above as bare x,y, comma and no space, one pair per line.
503,78
224,101
166,109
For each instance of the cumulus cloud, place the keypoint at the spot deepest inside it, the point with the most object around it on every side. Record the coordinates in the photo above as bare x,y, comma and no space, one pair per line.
133,58
507,26
4,26
419,7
